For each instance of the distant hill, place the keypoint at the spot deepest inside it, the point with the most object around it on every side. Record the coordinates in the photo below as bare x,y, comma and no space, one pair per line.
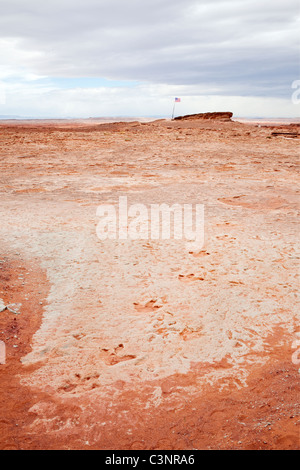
10,116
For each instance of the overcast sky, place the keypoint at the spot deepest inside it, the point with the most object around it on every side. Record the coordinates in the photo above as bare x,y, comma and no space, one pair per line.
81,58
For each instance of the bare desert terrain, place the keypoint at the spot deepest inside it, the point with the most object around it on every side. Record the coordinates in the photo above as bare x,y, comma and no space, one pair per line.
143,344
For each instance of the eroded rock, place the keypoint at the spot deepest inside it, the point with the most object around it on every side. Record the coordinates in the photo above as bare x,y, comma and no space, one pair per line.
217,116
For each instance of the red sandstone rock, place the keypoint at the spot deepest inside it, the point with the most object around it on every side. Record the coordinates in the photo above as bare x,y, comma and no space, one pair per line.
145,345
221,116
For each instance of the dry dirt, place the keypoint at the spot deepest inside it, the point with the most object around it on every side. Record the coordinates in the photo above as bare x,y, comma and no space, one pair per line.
144,344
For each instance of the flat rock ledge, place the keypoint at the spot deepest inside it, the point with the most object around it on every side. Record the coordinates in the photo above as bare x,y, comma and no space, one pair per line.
224,116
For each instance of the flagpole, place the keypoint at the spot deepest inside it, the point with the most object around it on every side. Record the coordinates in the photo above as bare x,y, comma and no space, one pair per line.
173,110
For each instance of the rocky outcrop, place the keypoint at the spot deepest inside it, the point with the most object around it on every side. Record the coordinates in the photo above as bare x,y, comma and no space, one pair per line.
222,116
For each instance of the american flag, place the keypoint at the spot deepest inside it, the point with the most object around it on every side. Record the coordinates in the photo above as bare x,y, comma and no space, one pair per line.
177,100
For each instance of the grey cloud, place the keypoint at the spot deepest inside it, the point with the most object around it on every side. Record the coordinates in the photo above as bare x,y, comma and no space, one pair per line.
238,47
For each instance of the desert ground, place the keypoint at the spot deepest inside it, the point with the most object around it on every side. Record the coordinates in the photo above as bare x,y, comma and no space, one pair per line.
145,344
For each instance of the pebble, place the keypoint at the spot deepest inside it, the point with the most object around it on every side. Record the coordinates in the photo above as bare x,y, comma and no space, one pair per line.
14,308
2,305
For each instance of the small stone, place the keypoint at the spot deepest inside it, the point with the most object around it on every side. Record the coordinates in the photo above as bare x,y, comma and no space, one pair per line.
14,308
2,305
